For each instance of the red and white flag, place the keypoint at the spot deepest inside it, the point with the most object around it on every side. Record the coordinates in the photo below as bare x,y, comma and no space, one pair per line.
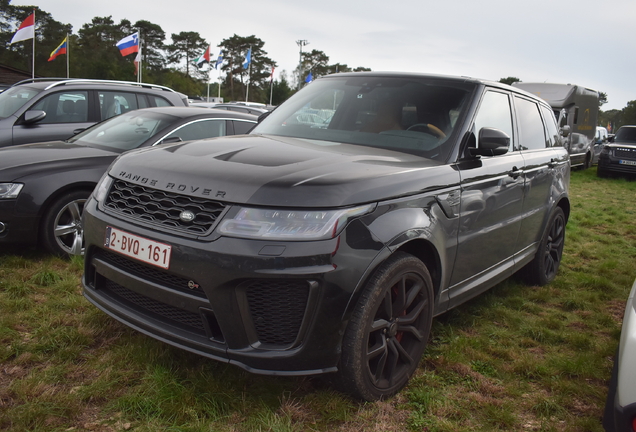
26,30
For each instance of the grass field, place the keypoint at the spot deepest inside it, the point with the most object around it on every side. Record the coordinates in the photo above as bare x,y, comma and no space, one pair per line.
517,358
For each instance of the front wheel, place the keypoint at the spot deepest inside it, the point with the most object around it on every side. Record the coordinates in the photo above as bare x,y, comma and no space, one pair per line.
388,330
543,268
62,232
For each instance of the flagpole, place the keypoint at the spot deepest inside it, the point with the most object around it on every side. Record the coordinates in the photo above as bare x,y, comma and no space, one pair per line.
68,54
249,72
33,56
271,89
141,59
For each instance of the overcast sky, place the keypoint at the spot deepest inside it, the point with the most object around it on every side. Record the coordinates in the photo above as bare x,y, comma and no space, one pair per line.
585,42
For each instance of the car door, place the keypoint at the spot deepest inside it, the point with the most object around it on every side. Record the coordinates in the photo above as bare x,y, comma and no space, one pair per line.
539,171
490,208
66,113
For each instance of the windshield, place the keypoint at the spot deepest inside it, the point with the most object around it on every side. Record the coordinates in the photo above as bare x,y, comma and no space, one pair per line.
411,114
126,131
626,134
14,98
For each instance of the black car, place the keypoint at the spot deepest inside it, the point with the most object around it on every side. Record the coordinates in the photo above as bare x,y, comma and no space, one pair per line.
619,155
327,239
43,186
46,109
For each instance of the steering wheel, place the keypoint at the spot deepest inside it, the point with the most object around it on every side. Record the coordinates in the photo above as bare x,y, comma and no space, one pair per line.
429,129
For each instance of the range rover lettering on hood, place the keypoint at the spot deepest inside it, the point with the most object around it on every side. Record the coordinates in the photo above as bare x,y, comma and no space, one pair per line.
170,186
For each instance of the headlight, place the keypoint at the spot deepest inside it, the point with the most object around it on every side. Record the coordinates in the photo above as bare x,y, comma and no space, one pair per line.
101,190
289,224
10,190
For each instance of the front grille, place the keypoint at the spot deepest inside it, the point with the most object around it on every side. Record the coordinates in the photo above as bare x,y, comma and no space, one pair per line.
150,273
625,153
190,320
163,208
277,309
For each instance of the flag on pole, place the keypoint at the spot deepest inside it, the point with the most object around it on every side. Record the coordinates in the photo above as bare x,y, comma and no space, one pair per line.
271,78
309,78
137,61
26,30
203,58
129,44
248,58
219,60
61,49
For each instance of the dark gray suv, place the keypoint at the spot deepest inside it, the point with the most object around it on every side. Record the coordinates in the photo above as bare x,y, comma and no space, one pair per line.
48,109
327,239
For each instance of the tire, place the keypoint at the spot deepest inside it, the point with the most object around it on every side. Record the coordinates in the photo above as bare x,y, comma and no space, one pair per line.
588,162
543,268
388,330
62,232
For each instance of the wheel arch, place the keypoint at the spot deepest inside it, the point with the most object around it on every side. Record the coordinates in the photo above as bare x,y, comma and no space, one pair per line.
52,198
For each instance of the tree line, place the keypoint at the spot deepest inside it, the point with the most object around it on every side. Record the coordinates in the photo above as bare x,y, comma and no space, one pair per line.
93,54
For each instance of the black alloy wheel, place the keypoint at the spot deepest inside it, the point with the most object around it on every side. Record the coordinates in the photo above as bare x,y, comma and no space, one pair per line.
388,331
543,268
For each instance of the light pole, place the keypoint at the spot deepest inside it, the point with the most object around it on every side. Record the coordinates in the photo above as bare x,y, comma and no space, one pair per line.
301,43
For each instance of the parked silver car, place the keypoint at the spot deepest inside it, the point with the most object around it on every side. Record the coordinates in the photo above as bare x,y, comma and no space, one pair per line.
49,109
620,408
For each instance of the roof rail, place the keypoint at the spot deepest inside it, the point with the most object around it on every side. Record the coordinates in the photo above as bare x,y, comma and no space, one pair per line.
65,81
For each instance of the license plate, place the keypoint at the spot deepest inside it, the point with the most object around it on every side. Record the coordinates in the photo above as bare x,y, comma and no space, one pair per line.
139,248
626,162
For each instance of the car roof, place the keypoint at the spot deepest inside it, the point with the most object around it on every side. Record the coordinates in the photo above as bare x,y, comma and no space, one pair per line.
192,111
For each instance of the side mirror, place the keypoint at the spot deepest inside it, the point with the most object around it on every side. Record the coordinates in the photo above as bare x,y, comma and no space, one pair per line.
492,142
263,116
33,116
565,130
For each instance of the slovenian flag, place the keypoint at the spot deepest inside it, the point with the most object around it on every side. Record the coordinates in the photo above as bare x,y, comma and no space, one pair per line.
26,30
61,49
129,44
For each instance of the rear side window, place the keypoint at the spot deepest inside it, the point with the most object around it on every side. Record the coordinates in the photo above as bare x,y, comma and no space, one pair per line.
495,112
199,130
242,127
158,101
64,107
115,103
554,139
531,133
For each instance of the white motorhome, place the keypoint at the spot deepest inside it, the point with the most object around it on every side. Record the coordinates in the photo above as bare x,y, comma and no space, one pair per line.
580,113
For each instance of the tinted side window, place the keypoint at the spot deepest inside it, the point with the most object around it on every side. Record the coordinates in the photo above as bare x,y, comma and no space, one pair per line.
554,139
158,101
115,103
241,127
67,107
200,130
531,133
495,112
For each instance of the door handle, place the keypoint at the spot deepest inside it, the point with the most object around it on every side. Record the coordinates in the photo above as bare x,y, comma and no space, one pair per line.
552,163
515,172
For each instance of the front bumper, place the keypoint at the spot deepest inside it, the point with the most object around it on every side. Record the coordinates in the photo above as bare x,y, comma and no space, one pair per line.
277,308
612,162
16,228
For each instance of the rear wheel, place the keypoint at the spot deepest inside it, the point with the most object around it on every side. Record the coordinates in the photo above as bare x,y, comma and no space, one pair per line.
388,331
543,268
62,232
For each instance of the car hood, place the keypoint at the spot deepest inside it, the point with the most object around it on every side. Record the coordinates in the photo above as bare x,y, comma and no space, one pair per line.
282,171
628,144
23,160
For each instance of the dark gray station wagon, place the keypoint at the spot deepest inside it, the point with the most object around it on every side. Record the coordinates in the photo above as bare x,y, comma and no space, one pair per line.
327,239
